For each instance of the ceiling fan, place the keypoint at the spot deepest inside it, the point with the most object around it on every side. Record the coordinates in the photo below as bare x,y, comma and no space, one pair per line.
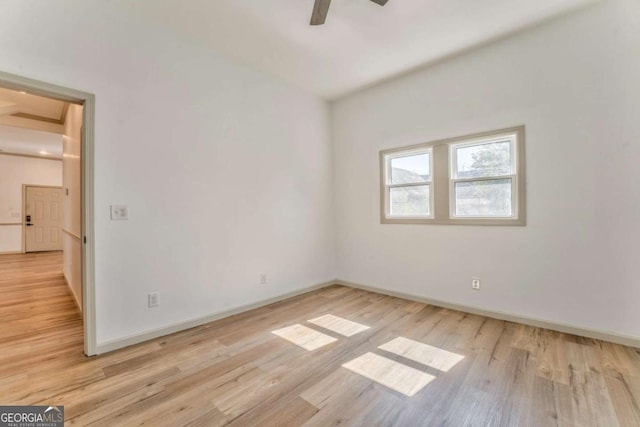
321,8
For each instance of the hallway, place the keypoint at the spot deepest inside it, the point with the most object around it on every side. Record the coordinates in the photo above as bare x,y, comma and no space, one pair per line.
39,318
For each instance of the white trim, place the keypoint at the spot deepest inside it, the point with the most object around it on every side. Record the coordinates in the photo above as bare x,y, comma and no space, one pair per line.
628,340
409,184
484,140
72,234
192,323
75,298
88,225
31,156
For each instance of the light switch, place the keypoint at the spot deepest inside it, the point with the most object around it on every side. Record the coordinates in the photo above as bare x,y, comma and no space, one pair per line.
119,213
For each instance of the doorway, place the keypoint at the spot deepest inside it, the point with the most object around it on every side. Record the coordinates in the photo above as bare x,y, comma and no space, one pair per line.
42,213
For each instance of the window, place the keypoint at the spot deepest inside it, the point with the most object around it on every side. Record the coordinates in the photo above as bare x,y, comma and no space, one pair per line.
408,184
483,176
472,180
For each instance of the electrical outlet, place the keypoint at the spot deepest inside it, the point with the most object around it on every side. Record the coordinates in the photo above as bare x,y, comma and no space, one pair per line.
154,300
475,284
119,213
263,279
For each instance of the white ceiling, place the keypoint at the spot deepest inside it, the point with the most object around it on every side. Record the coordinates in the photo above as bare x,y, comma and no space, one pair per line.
361,43
31,142
27,139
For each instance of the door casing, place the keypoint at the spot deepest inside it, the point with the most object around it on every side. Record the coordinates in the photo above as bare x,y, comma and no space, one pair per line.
87,100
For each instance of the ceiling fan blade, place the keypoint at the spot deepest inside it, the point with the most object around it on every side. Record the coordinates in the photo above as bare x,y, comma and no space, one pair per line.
380,2
320,10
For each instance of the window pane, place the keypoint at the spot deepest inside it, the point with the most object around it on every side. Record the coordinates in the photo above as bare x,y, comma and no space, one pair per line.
484,160
409,201
410,169
484,198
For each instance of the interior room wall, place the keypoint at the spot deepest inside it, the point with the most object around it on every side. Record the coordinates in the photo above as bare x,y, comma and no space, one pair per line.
72,228
574,83
226,171
14,172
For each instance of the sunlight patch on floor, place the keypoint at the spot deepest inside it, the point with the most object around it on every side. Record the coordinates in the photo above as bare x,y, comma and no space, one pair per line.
428,355
389,373
339,325
304,337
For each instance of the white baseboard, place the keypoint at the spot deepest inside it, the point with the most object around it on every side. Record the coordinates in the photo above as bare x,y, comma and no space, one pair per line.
628,340
540,323
155,333
10,253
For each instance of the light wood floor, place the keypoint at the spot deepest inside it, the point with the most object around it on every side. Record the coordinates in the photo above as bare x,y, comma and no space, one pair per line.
478,371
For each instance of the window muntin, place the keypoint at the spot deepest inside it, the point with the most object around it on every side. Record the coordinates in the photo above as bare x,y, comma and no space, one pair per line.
408,180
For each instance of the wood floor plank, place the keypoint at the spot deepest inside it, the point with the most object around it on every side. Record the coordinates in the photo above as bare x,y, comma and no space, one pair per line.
591,398
338,325
624,392
236,372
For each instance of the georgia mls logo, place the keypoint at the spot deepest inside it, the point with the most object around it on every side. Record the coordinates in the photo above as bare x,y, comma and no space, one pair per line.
31,416
53,408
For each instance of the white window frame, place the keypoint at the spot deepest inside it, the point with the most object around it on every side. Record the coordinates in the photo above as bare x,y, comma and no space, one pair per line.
453,178
388,185
443,179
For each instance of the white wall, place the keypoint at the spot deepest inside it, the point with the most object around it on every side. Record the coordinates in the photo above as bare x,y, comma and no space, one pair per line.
575,84
226,171
14,172
72,182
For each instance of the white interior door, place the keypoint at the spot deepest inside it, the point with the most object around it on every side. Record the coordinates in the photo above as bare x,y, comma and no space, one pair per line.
43,219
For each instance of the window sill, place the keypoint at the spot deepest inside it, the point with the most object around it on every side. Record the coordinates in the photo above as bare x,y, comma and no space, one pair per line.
457,221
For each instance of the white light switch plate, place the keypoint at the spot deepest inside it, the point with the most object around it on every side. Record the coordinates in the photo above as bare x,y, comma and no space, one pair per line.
119,213
154,299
